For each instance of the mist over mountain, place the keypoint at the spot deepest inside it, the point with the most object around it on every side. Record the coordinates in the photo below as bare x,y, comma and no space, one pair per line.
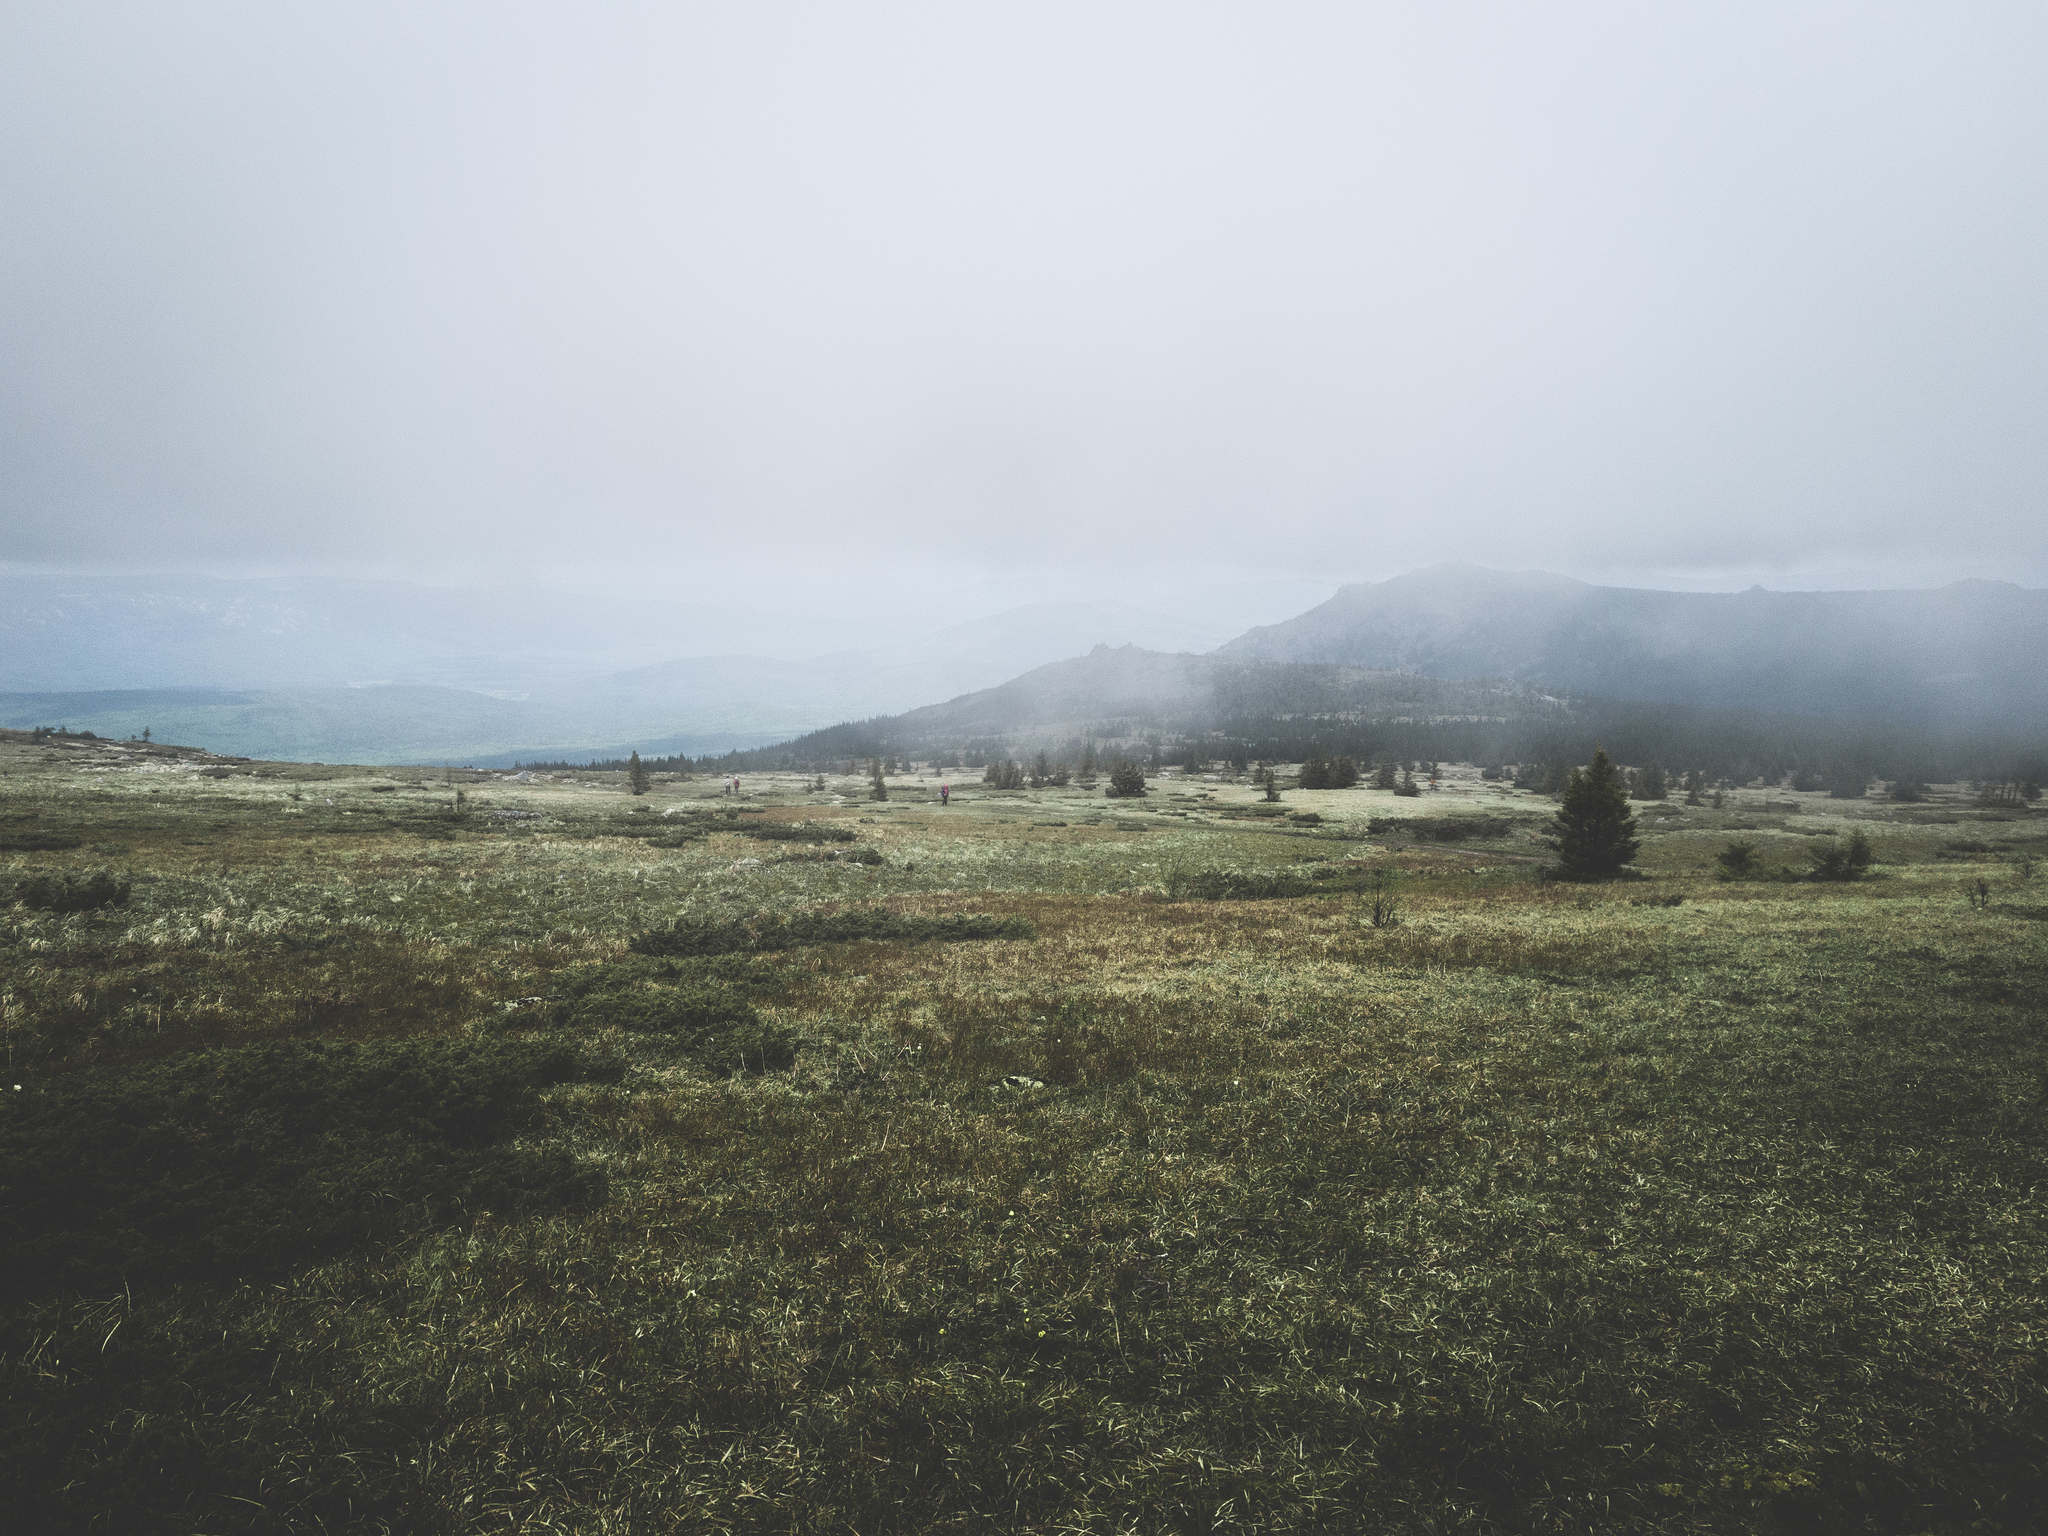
1121,691
1200,709
1964,656
386,671
397,672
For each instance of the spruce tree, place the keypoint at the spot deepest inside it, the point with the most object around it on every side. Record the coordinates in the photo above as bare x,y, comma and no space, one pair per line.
1847,782
878,786
1385,776
1344,773
1594,831
1847,863
1126,780
636,775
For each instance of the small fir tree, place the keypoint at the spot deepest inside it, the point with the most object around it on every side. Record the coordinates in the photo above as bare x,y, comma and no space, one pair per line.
1271,780
1344,773
1846,863
1594,831
1737,861
878,784
1651,782
1846,783
1909,789
1386,776
1315,772
1127,779
636,775
1408,787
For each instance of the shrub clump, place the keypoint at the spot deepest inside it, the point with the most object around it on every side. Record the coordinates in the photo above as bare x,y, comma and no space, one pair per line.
793,832
233,1164
798,930
1319,879
1442,829
719,1030
831,856
71,893
38,842
1243,885
1737,861
1846,863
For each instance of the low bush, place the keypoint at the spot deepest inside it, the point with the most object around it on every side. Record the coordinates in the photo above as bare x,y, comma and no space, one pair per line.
1442,829
70,893
762,934
1845,863
235,1164
831,856
1251,885
793,832
38,842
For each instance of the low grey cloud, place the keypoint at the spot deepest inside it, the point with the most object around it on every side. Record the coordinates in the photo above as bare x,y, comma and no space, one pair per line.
1054,298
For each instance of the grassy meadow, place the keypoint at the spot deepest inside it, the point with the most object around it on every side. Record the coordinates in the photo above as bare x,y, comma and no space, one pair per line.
563,1160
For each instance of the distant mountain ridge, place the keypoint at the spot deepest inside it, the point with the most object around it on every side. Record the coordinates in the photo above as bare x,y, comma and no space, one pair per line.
1138,689
259,668
1968,655
395,672
1182,708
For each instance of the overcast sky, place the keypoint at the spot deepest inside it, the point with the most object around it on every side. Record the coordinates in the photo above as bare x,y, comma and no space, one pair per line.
1025,300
